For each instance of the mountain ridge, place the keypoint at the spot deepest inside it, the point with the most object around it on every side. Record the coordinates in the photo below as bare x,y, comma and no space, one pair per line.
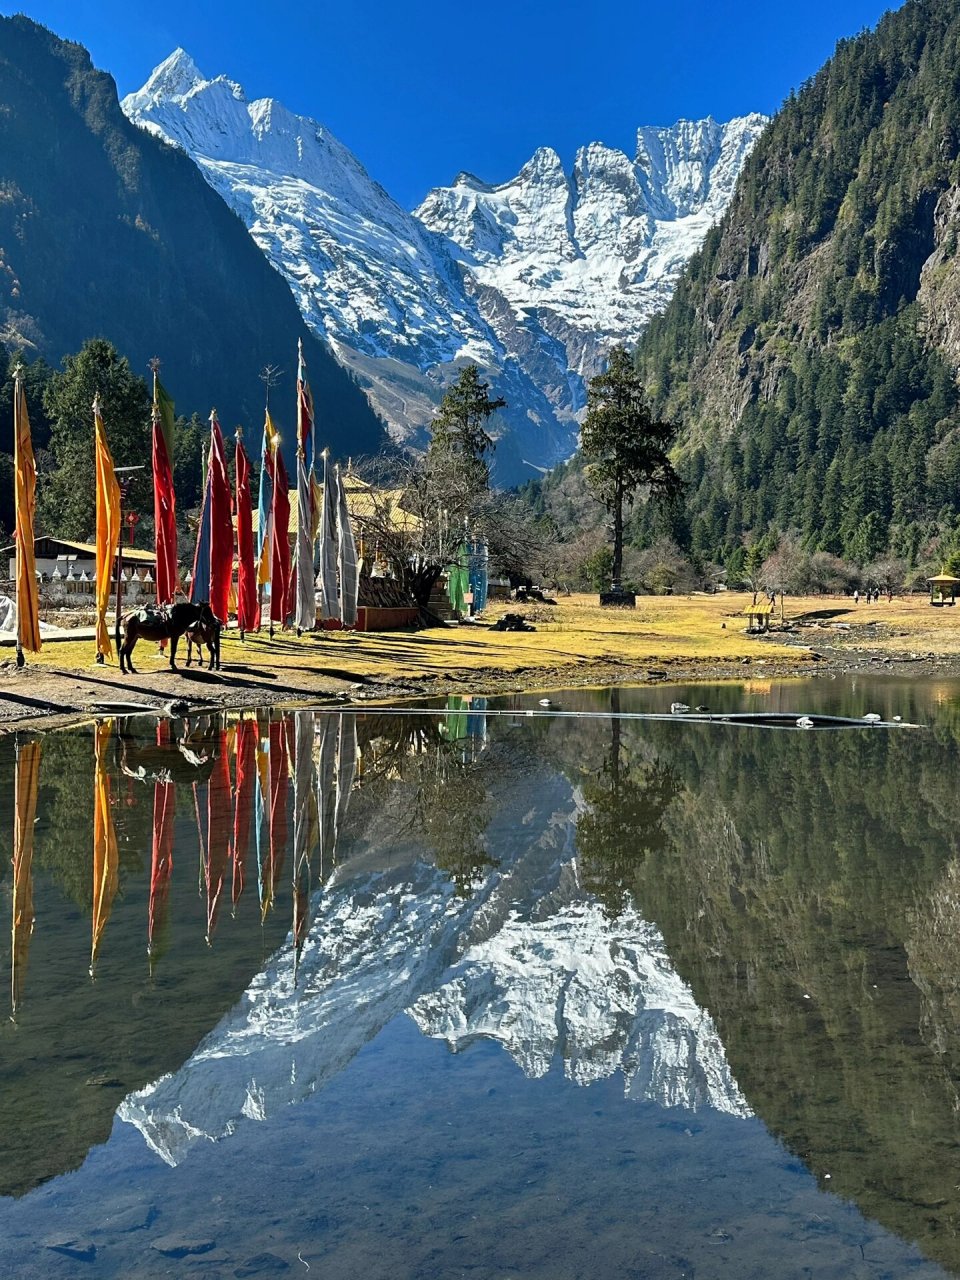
402,297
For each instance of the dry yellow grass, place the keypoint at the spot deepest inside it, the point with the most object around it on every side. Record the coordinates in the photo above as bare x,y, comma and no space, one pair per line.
577,631
575,642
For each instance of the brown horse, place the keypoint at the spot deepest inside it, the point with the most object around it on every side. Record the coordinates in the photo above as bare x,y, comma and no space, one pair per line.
167,623
206,632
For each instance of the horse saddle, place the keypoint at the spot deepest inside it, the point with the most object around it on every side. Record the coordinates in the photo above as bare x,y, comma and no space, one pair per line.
154,615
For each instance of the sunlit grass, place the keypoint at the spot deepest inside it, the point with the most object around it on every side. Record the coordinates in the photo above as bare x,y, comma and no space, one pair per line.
661,630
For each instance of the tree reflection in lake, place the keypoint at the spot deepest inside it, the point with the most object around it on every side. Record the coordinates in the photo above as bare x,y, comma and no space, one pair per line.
626,800
448,787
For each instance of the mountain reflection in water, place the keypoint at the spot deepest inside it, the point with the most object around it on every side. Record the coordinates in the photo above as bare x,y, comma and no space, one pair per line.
755,923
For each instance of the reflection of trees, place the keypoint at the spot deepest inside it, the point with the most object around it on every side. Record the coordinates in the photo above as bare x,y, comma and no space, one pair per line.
443,799
66,817
789,903
623,824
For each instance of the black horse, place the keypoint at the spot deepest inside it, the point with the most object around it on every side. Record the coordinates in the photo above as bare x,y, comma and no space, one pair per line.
167,623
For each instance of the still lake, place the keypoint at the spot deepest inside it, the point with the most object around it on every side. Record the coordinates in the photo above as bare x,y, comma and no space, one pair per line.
487,995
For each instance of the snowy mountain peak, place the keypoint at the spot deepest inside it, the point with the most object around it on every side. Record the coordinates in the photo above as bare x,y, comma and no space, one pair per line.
533,278
174,76
543,164
694,164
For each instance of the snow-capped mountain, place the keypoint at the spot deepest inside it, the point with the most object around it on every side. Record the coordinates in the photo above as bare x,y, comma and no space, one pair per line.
532,279
527,959
597,251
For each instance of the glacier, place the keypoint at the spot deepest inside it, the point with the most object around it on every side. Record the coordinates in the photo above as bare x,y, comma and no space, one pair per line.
533,279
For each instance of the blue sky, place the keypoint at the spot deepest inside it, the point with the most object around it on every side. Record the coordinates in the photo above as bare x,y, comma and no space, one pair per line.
421,90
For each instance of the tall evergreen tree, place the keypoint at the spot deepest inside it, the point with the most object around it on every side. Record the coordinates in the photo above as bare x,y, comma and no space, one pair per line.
460,424
623,446
66,499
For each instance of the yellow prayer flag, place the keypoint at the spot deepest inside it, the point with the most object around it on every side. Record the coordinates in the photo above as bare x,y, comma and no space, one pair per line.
24,815
105,855
108,527
316,505
25,494
271,432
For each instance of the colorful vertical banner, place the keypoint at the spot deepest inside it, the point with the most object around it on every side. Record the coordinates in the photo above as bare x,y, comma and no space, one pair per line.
458,580
25,498
248,610
213,560
305,602
243,802
279,789
348,563
265,502
304,827
164,501
161,858
108,526
219,831
329,598
305,418
280,550
305,605
261,809
200,582
26,785
221,524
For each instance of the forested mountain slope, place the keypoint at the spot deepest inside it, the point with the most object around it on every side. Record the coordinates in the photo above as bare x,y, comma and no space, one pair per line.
108,232
811,347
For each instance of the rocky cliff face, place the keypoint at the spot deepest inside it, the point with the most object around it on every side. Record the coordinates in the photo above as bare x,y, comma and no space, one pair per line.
532,279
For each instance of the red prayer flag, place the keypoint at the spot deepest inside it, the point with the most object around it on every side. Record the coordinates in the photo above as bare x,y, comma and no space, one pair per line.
164,516
161,862
221,525
248,611
161,865
280,585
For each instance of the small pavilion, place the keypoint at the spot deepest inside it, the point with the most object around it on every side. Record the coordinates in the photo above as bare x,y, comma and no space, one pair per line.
758,615
943,589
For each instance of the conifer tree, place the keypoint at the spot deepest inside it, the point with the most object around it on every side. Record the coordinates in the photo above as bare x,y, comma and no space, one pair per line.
460,424
623,446
68,493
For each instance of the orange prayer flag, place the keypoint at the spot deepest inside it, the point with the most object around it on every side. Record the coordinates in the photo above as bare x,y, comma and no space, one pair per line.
25,490
108,526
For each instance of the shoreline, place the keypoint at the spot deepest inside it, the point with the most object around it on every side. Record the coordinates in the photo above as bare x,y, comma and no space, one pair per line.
574,644
46,698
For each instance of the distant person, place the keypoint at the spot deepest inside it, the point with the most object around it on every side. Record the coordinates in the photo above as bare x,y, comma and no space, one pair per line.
856,597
